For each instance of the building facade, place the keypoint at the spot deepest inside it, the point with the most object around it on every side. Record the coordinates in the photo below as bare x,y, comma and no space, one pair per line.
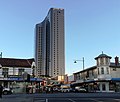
104,77
49,45
12,74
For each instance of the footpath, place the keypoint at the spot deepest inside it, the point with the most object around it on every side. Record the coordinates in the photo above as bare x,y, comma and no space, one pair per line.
16,99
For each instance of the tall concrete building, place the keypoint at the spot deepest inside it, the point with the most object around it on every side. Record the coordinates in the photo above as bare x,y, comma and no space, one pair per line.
50,45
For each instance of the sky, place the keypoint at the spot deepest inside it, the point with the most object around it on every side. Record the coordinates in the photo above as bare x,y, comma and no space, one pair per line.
91,26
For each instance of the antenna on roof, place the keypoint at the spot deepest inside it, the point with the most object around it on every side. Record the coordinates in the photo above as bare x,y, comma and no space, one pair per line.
1,55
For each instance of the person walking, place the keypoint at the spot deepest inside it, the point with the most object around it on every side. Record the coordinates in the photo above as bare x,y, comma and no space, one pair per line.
1,90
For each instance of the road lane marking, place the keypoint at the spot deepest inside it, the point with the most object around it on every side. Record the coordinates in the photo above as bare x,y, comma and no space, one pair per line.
46,100
96,100
41,100
71,100
118,100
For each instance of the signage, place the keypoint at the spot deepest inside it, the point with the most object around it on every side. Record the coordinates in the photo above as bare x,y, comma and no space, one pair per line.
20,79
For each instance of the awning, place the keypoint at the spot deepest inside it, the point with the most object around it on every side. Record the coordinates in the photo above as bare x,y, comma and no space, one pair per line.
115,79
21,79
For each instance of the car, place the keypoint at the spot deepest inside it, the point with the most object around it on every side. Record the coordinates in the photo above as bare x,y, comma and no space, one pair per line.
72,89
80,89
65,89
7,91
56,89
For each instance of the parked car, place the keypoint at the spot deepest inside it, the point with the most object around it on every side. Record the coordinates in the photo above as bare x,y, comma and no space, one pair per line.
65,89
72,89
56,89
7,91
80,89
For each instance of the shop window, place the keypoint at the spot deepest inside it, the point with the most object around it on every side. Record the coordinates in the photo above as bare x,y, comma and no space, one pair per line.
103,87
87,74
111,86
5,72
20,71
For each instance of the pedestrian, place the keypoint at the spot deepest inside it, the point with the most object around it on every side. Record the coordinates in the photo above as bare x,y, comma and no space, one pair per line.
46,89
27,89
1,90
51,89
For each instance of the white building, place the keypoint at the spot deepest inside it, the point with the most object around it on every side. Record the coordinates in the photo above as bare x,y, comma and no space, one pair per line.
49,45
12,71
103,77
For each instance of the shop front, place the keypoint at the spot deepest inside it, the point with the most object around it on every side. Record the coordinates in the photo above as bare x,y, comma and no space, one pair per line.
18,85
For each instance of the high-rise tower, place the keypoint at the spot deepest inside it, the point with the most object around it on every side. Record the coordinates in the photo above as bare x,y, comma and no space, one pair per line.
50,45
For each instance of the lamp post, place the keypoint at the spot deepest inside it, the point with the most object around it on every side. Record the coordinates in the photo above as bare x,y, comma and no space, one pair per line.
1,55
83,67
80,60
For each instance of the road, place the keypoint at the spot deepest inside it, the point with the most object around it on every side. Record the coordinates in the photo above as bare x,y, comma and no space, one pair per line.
63,97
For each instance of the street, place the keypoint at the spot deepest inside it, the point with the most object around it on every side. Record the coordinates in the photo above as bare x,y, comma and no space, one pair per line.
63,97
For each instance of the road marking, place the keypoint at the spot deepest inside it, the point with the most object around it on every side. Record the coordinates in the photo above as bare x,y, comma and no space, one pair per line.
41,100
71,100
118,100
96,100
46,100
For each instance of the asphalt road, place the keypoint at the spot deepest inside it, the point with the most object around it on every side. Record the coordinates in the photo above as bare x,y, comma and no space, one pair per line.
77,100
78,97
63,97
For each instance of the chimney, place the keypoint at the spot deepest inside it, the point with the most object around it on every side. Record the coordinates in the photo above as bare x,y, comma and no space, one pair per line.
116,60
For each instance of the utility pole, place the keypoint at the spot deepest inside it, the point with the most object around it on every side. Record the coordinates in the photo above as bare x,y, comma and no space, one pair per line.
1,55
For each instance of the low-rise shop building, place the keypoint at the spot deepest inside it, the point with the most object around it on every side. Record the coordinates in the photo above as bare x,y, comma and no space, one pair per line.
103,77
14,74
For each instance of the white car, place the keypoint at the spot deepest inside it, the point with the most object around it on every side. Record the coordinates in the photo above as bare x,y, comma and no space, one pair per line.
80,89
65,89
7,91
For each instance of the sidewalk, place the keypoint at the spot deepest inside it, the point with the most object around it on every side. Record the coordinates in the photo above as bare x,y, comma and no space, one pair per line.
16,99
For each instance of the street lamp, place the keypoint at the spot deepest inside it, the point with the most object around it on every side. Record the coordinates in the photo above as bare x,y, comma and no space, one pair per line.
83,67
80,60
1,55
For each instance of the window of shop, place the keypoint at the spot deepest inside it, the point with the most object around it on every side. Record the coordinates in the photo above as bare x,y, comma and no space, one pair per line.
5,72
98,87
20,71
111,86
5,84
103,87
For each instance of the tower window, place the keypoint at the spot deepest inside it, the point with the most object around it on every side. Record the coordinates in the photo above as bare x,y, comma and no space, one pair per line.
101,61
98,71
102,70
107,70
